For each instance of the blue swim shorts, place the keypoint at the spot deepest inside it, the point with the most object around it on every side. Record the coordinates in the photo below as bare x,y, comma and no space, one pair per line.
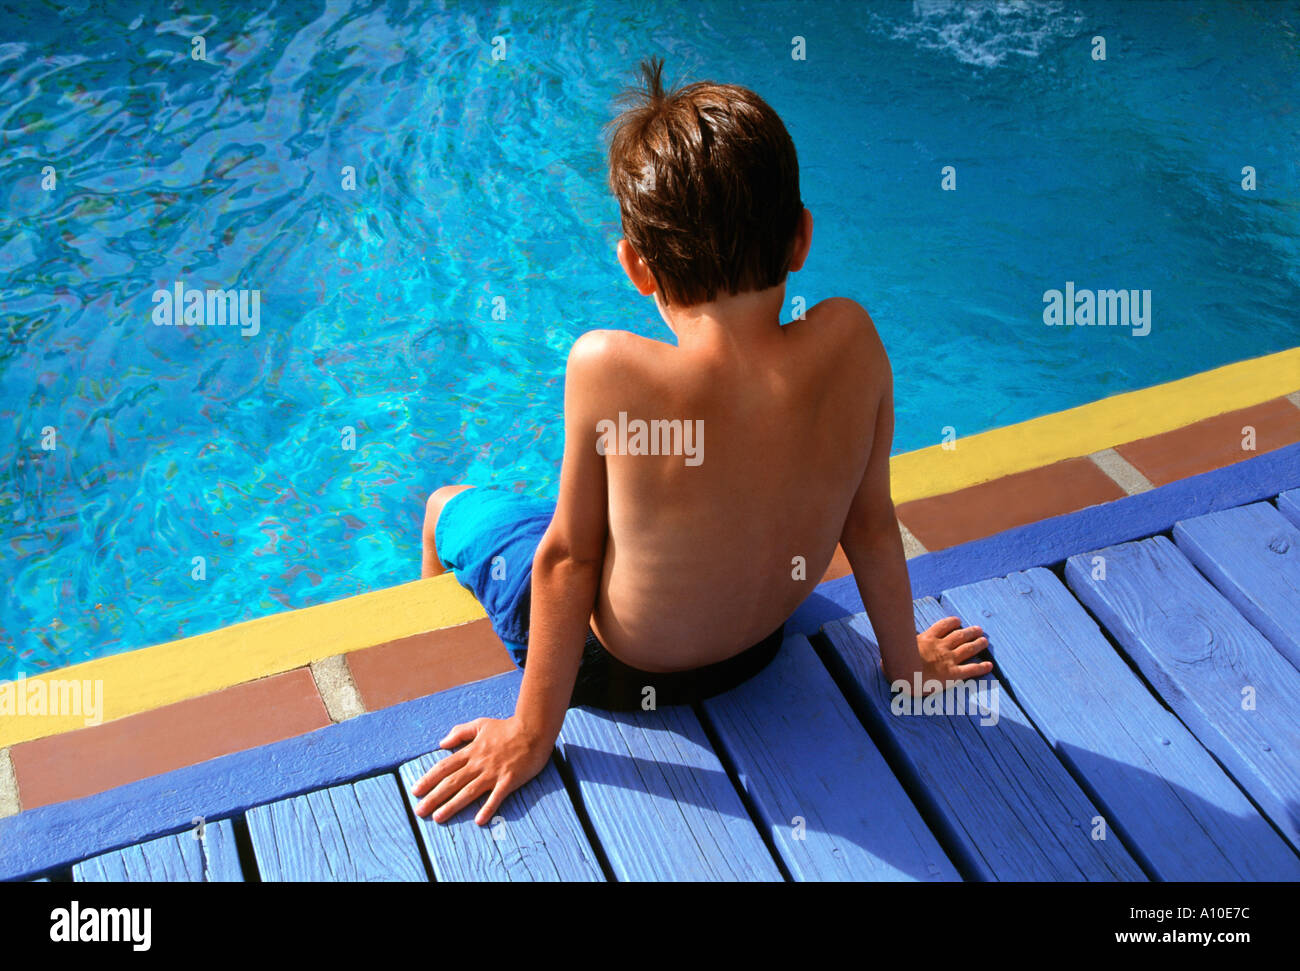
487,538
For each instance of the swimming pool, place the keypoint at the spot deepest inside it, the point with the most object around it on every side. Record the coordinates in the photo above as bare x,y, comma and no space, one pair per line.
424,316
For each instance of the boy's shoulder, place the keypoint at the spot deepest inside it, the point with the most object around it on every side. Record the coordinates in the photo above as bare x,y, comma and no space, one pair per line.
847,314
608,359
606,346
609,365
846,309
835,333
844,331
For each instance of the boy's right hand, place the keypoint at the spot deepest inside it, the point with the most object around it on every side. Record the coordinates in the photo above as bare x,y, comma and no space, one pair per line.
945,650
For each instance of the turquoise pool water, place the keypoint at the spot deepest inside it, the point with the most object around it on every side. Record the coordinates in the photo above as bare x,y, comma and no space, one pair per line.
479,187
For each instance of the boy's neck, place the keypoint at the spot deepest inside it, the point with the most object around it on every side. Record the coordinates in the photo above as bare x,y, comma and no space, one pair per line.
729,323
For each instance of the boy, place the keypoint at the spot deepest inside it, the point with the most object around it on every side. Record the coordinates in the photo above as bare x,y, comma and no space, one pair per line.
677,555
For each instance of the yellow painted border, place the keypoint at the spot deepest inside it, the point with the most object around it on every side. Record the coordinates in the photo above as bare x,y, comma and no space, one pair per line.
1090,428
149,678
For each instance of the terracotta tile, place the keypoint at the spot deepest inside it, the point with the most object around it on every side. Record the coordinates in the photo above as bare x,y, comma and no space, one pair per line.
412,667
839,566
90,760
1013,500
1214,442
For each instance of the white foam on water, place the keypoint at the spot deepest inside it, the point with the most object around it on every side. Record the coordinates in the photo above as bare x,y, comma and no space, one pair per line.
986,32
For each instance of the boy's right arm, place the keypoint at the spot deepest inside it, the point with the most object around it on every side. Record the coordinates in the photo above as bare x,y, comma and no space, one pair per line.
571,555
874,546
499,755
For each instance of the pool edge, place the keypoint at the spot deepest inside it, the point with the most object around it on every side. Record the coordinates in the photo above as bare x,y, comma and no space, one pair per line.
154,677
1094,427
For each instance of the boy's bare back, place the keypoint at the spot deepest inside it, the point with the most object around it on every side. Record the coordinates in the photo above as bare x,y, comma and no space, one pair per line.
703,560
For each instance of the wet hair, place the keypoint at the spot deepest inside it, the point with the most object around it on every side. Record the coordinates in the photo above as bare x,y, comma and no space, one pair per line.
707,183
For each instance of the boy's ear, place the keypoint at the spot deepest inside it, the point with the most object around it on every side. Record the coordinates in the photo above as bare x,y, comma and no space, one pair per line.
802,241
636,269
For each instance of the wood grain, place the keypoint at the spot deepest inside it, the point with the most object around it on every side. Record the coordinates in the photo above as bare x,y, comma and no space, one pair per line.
1179,814
357,832
1288,504
1225,681
535,836
831,805
659,801
1008,809
1252,556
181,857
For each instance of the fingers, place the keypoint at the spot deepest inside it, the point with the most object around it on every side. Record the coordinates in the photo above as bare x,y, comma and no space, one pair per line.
449,786
446,768
960,636
461,734
968,650
468,794
942,628
973,670
439,772
503,788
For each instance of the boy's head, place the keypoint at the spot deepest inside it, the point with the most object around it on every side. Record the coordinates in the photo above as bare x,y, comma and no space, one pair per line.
707,183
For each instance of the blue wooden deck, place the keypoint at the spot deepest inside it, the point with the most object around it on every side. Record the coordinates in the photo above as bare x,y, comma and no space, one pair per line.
1142,722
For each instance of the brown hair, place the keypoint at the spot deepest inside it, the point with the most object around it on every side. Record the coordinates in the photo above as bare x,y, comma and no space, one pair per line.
707,183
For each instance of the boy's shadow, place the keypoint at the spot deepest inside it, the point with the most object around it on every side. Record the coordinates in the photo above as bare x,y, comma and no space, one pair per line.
663,807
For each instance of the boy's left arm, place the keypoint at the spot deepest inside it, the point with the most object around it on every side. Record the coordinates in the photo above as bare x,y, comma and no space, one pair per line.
500,755
874,546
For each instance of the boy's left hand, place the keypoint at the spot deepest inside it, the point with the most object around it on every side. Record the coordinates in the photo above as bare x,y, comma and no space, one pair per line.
498,757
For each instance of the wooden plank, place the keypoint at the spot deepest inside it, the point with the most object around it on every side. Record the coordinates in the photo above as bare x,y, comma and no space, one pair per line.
186,856
357,832
47,838
1007,807
830,804
1219,675
1288,504
1252,555
536,834
1159,789
659,801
